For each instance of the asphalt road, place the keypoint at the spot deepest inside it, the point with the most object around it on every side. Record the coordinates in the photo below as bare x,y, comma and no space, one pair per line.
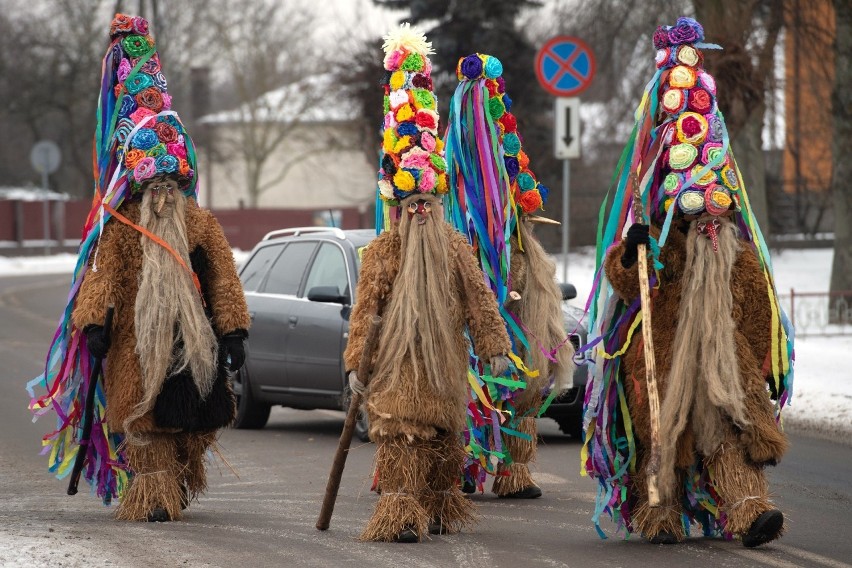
263,512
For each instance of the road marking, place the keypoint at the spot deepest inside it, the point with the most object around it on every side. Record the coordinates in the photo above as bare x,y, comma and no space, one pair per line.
811,556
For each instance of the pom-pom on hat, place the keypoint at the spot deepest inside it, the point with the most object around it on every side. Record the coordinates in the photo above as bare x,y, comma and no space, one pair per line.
412,159
139,136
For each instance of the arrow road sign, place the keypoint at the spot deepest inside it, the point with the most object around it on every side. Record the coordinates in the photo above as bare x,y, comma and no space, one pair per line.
566,143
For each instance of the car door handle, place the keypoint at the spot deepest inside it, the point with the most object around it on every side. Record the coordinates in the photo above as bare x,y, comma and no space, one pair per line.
293,320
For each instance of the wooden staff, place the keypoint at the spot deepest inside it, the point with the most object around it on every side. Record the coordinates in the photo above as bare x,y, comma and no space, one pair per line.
348,427
650,366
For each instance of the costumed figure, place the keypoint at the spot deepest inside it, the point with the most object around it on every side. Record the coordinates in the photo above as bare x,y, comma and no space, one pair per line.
166,267
721,344
420,276
493,197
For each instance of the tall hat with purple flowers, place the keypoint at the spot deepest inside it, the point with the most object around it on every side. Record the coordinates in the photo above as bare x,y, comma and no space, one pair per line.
412,161
680,162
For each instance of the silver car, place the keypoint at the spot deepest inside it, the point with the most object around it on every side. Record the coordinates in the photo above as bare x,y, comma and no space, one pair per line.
299,285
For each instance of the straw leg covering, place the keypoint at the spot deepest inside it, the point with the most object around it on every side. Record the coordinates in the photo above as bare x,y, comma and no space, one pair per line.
653,521
193,451
156,471
741,486
443,499
403,467
516,476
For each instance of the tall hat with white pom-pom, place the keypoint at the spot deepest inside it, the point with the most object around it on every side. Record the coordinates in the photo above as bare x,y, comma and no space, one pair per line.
412,161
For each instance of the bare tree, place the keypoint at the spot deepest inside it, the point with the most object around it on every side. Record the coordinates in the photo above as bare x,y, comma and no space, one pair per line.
841,271
272,70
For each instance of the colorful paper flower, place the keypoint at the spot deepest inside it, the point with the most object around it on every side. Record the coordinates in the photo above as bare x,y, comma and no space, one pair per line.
686,30
493,68
421,81
661,37
511,144
136,45
530,201
438,162
496,108
152,66
510,124
159,81
166,132
682,77
150,98
716,200
688,55
512,167
133,157
167,164
123,70
470,68
691,128
427,119
176,149
691,202
423,99
121,23
412,62
404,180
711,153
428,178
705,180
138,82
140,114
673,101
672,183
526,181
682,156
699,100
144,139
128,105
145,169
427,141
386,189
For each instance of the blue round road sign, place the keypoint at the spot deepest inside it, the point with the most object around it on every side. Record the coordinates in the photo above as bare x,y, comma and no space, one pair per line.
565,66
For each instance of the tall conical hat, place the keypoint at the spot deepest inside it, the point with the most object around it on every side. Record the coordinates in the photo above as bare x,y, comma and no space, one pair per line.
412,160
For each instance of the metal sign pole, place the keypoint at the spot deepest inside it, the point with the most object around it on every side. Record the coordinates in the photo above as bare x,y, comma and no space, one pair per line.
46,205
566,174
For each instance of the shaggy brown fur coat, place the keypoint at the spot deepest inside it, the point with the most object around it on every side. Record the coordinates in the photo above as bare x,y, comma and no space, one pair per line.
760,442
119,262
418,411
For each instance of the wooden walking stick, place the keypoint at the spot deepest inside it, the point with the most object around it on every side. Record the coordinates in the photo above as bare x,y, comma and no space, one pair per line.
340,456
650,366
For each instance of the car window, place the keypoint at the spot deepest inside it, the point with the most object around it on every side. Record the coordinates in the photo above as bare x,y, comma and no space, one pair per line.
329,269
257,267
286,274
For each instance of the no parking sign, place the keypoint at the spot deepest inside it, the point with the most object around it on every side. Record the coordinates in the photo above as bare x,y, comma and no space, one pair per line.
565,66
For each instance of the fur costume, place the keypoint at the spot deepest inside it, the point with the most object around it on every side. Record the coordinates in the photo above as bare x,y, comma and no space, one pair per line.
719,335
116,281
533,276
179,308
736,459
415,425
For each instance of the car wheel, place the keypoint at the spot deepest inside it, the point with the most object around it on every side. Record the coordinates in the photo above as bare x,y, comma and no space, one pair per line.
571,426
251,415
362,423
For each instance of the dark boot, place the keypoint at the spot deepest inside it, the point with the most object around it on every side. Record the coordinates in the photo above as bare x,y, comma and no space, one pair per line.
663,538
406,535
531,492
436,526
765,528
158,515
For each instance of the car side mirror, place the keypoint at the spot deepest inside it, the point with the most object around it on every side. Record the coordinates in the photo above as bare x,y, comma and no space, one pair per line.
568,291
327,294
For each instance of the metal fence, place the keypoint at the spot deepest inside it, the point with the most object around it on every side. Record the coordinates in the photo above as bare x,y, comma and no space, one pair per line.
823,314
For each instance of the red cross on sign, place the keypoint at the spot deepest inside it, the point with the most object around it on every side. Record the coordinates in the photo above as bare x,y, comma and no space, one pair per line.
565,66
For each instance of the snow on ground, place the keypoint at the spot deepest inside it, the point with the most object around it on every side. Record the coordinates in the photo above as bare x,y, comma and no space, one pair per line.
822,401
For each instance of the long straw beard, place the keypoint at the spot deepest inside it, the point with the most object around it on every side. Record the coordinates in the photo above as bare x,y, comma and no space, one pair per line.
172,331
541,312
705,378
418,319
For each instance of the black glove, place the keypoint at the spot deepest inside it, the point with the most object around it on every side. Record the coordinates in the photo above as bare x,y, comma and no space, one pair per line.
97,340
234,347
637,235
